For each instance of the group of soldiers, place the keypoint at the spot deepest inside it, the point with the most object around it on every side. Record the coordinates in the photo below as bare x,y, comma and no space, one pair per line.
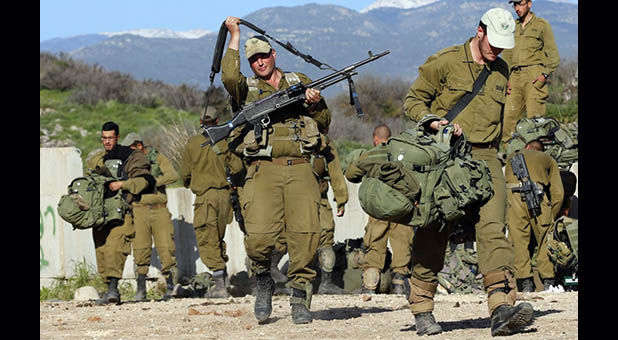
286,172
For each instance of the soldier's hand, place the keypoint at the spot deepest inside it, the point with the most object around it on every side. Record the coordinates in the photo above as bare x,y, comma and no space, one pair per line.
115,186
508,87
232,24
438,123
540,78
340,210
312,96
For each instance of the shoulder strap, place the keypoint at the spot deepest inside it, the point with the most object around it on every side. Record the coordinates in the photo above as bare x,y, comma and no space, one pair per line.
467,98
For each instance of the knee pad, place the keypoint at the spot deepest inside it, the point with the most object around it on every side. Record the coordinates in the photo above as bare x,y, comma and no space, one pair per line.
371,278
326,256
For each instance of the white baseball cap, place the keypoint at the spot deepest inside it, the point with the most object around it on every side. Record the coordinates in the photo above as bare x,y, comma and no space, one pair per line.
500,28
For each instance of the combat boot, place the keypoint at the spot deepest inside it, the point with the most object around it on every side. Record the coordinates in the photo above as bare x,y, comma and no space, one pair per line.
397,284
426,324
547,283
218,290
263,297
506,319
113,296
277,275
140,294
525,285
327,286
300,312
170,288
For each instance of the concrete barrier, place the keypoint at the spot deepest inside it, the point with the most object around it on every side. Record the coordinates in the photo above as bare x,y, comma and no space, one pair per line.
61,247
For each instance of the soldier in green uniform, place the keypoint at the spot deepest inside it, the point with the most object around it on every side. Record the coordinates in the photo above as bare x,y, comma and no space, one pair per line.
443,79
153,220
532,60
378,233
113,243
281,194
543,170
203,169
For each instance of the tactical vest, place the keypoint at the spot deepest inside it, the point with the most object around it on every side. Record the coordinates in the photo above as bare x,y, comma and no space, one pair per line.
423,178
295,137
560,140
155,169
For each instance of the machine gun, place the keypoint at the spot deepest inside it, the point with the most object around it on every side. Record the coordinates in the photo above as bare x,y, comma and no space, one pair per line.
258,112
531,192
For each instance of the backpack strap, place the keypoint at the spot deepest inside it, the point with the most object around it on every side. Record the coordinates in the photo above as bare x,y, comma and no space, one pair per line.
467,98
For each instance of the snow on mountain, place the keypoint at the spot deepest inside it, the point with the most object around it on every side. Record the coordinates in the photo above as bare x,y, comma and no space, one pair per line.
162,33
404,4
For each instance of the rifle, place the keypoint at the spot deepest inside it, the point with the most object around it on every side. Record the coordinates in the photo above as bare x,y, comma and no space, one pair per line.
531,192
234,198
258,112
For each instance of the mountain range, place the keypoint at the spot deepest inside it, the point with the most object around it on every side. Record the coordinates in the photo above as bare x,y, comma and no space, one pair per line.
332,34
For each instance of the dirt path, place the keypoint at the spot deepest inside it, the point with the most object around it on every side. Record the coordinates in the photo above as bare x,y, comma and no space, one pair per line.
335,317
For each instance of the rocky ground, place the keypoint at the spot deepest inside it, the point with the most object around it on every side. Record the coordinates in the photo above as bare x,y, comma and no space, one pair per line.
335,317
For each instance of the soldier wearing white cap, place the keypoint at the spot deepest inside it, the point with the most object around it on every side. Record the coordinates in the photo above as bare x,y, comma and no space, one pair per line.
443,79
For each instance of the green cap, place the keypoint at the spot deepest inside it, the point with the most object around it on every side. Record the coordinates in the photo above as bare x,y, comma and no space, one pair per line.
132,138
255,45
500,28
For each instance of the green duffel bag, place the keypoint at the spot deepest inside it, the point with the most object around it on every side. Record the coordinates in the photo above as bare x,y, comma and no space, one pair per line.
383,201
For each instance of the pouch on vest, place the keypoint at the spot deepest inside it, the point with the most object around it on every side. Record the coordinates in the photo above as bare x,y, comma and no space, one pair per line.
310,140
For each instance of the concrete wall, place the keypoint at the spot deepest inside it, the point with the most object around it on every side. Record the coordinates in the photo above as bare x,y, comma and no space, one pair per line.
61,246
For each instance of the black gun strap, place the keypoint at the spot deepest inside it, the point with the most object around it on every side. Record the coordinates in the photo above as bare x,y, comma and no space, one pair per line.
467,98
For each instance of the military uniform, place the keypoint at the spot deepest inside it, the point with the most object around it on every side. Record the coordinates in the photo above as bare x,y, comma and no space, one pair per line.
543,169
203,170
113,244
442,81
535,53
154,221
377,234
281,194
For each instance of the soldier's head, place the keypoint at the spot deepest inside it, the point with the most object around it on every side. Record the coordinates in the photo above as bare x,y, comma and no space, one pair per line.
109,135
135,142
522,7
381,134
495,32
261,56
535,145
210,118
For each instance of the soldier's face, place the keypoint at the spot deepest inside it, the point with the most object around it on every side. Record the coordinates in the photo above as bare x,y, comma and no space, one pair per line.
522,8
263,64
109,139
488,52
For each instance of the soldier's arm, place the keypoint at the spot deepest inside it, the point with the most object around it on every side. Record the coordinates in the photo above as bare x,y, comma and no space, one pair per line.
550,49
233,80
185,166
423,91
169,175
140,180
556,189
353,173
337,180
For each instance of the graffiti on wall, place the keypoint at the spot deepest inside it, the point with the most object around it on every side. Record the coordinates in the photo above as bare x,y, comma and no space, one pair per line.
46,227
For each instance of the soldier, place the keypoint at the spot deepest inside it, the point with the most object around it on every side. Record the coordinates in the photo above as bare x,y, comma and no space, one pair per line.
153,220
280,194
378,233
543,170
443,79
203,169
113,243
532,60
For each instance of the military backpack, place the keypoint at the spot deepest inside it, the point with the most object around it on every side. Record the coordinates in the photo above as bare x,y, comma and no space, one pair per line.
90,204
422,178
562,242
560,140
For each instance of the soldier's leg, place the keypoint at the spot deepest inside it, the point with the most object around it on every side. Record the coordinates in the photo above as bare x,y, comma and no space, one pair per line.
540,225
117,248
98,237
535,94
400,237
495,254
142,243
514,106
326,253
375,241
262,202
427,260
205,222
302,225
163,234
519,235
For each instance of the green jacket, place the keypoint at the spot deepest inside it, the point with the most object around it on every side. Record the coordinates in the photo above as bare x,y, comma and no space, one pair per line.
534,45
442,81
165,174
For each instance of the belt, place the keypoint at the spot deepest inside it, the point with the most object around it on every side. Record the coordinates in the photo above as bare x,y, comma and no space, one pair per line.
280,161
476,146
151,206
